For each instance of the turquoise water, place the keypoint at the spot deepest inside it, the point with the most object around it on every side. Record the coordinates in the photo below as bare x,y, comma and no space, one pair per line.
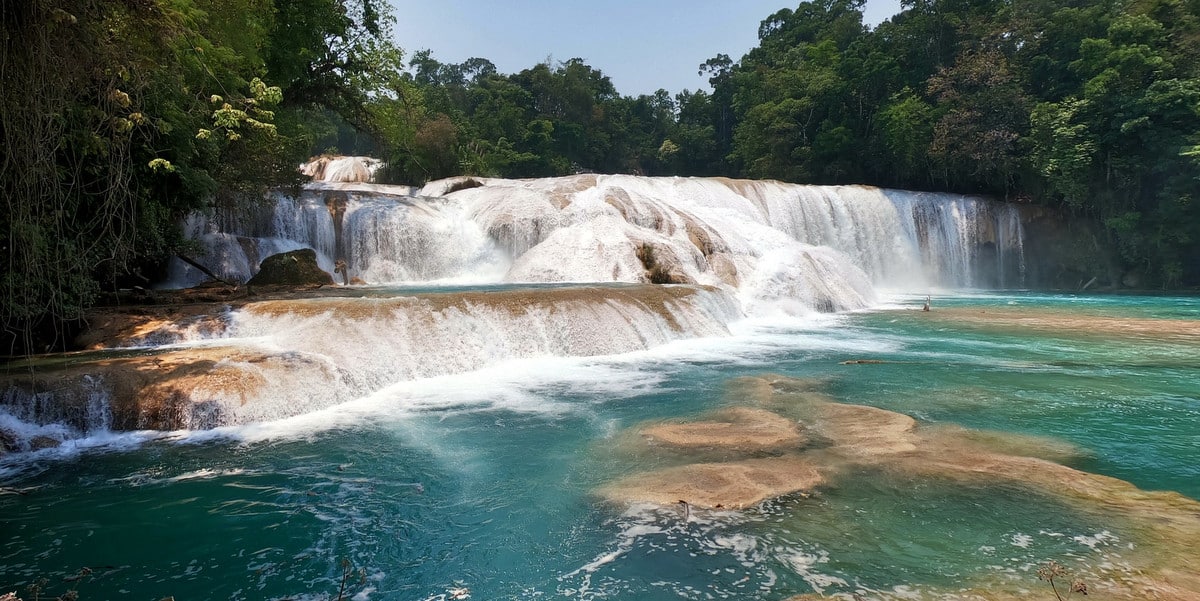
487,481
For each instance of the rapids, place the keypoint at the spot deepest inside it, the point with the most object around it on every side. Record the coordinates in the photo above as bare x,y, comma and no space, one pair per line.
473,273
611,387
949,466
811,247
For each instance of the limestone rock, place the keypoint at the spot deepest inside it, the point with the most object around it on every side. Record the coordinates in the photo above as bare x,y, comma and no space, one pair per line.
295,268
737,429
733,485
38,443
662,265
8,442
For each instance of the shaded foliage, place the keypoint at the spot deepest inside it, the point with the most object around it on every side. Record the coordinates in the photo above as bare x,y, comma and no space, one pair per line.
180,105
172,107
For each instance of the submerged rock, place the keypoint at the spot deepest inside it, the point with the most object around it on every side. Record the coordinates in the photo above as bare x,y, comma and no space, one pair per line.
741,434
8,442
11,442
150,326
852,440
296,268
1068,323
38,443
737,429
712,485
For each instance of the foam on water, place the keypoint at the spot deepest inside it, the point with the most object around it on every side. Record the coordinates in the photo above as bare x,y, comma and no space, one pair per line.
308,386
803,247
481,479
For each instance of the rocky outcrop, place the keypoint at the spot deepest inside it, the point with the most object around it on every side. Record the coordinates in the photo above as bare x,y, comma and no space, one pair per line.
159,386
850,441
1067,253
195,388
8,442
662,266
734,485
738,429
296,268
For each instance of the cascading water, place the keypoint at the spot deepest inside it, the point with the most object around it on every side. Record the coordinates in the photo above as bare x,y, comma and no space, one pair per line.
965,241
273,359
533,436
36,419
745,249
589,229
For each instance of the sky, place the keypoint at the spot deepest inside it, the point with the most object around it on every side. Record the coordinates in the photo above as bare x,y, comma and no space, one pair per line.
641,45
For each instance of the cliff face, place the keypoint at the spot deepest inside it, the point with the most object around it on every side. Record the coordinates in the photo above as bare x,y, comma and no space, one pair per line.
1069,253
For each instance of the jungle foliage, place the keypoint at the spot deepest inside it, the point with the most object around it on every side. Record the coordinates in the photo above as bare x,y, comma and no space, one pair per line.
118,117
1091,106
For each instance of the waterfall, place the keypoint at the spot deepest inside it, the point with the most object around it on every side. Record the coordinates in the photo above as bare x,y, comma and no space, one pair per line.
49,416
964,242
591,229
280,358
735,248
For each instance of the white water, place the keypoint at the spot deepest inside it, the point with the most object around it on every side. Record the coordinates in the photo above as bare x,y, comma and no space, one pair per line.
329,389
768,252
813,247
342,169
277,359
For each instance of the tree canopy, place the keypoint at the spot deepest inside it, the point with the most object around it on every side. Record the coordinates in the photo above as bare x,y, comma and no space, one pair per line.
181,105
119,117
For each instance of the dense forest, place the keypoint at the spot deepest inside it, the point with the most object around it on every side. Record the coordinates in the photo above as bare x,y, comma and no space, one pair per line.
119,117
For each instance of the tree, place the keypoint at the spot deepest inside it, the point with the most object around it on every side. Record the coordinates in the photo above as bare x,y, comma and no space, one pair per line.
170,110
984,112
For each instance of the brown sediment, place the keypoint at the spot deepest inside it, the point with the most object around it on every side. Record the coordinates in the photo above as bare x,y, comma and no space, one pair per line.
1008,443
141,318
742,434
1071,323
1164,526
794,398
169,390
179,314
158,325
738,429
861,431
711,485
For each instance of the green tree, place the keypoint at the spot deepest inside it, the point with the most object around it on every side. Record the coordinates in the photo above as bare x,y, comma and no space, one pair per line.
984,113
173,108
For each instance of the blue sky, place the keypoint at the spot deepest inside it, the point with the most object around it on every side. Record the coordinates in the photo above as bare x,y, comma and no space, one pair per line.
642,45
